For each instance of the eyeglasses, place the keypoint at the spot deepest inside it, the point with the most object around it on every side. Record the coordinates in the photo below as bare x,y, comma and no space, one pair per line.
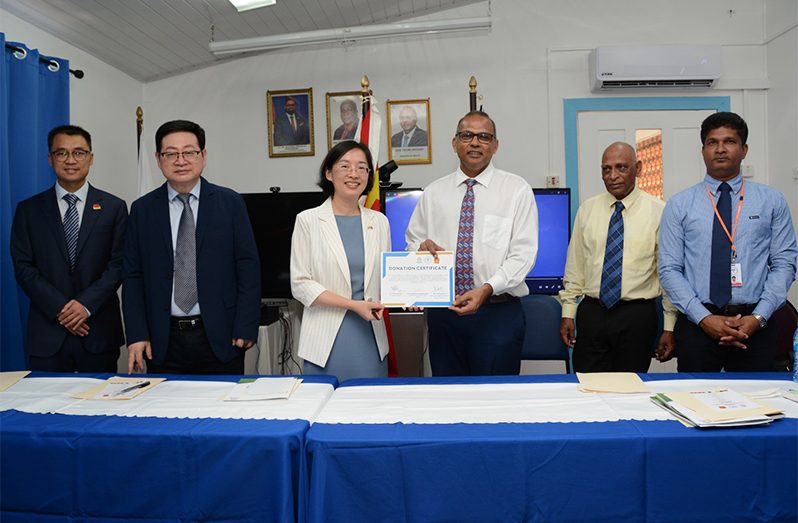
348,168
61,155
468,136
606,170
189,156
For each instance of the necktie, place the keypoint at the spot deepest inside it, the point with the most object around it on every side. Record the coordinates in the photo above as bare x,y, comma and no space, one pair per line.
405,140
720,267
613,260
186,258
464,262
71,228
293,122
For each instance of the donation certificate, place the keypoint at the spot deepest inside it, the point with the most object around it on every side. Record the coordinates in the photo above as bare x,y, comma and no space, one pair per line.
415,279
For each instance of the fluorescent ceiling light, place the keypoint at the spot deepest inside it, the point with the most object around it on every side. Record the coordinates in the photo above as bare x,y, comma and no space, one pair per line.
348,34
246,5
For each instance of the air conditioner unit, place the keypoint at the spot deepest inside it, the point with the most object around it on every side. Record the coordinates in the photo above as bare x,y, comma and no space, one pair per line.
654,66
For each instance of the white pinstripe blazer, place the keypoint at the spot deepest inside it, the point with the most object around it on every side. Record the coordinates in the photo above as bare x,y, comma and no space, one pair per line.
319,263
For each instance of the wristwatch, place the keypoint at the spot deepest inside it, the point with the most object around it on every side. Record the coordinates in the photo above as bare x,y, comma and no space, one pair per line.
761,319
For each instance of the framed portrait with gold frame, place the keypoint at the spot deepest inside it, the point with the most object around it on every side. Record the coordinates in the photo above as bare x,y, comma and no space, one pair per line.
343,116
409,131
290,122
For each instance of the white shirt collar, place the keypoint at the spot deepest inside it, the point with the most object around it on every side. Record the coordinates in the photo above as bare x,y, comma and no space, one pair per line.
81,193
195,191
482,178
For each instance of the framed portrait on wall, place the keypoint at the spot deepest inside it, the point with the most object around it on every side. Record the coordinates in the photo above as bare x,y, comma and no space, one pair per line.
290,122
343,115
409,131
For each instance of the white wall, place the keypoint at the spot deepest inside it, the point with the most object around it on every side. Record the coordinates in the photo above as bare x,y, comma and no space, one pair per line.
782,113
534,56
103,102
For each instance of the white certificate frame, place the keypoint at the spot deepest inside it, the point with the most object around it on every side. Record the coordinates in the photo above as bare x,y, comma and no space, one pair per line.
422,263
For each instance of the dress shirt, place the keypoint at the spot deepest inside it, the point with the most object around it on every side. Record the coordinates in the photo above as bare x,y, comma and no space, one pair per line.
505,225
175,211
764,243
583,268
80,205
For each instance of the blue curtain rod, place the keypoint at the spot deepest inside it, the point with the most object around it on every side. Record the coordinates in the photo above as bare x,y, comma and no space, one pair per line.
77,73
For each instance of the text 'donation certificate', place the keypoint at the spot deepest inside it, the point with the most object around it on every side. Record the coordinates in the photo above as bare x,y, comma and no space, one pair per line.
416,279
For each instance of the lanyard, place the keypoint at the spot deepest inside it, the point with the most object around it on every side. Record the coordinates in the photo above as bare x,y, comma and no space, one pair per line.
736,218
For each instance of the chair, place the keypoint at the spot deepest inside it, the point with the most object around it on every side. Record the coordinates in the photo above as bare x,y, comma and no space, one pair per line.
542,338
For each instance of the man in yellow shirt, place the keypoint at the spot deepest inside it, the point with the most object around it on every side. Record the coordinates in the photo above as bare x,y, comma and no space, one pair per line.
612,266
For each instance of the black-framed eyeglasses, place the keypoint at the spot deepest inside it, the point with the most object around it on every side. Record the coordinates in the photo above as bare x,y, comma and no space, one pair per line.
468,136
189,156
61,155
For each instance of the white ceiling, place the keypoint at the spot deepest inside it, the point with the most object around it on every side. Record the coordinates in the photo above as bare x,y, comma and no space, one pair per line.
152,39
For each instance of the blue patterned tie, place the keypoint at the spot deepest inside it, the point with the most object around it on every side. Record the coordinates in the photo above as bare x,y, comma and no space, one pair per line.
71,228
464,260
186,258
613,260
720,266
405,140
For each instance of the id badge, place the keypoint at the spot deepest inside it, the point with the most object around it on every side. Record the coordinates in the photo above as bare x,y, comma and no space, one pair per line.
736,274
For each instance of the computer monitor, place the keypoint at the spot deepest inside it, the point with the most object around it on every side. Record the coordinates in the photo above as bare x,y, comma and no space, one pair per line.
272,216
554,232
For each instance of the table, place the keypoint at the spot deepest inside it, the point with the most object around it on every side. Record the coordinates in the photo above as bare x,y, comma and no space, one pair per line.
625,470
100,468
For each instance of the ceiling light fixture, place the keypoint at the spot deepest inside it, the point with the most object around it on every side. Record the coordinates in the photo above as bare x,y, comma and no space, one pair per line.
348,34
246,5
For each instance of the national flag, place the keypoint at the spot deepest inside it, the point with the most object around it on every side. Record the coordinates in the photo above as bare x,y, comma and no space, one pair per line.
369,134
146,183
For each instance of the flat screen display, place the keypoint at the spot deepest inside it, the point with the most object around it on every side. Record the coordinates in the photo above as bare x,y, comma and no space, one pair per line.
272,216
554,232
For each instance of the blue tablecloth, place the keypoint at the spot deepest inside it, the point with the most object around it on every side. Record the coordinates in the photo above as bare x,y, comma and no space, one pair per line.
651,471
110,468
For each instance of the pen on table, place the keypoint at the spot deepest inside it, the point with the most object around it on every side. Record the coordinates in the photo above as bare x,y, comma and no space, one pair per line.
132,388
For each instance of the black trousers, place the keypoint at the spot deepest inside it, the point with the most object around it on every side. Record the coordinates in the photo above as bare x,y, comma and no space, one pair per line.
190,352
482,344
697,352
72,357
620,339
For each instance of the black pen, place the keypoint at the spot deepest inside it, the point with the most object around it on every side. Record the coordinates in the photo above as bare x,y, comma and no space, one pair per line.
133,387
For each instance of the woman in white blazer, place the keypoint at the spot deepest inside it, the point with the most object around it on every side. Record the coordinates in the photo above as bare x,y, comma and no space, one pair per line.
335,271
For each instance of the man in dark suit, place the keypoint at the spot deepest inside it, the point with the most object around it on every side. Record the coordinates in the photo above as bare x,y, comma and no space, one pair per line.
66,244
291,128
191,293
411,135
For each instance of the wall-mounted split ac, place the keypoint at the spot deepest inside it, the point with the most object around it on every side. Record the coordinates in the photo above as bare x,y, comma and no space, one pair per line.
621,67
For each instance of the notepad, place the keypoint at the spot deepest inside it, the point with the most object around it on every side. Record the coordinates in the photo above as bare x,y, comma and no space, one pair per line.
119,388
263,389
617,382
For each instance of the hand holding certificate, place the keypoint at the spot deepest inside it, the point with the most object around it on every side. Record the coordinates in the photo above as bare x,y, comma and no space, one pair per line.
417,279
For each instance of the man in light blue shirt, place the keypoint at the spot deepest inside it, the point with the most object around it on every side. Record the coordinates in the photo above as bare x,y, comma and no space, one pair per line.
726,265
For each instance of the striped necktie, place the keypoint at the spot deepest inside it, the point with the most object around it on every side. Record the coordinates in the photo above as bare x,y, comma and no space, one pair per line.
71,228
613,260
464,262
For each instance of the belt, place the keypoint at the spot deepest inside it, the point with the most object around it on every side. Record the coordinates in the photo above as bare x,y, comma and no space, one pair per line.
731,309
597,301
502,298
186,323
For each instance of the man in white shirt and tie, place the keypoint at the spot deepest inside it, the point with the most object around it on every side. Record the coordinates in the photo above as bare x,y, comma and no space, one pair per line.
411,134
489,217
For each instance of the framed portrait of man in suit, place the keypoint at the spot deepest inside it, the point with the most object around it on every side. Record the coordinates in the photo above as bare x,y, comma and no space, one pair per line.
290,122
409,131
344,110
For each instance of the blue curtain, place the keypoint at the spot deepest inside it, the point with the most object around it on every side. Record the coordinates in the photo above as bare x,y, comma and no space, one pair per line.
33,100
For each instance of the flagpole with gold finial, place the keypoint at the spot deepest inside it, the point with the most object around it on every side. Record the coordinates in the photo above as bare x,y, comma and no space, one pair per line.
472,93
365,95
139,127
